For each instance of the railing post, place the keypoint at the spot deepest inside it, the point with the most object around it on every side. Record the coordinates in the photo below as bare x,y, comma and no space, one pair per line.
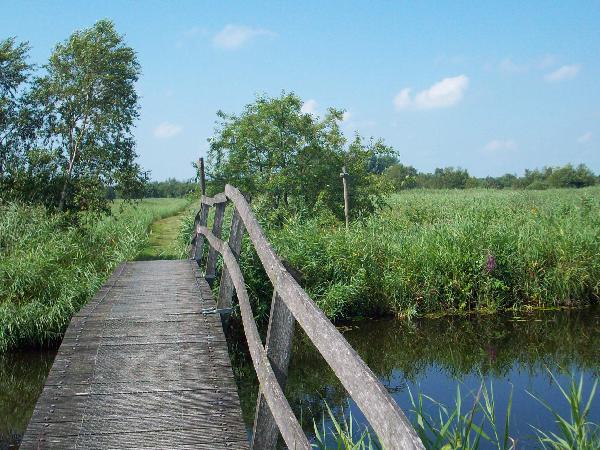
279,349
235,243
199,244
211,264
202,176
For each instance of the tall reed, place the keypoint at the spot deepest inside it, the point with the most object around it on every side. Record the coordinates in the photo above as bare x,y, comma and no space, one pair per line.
49,268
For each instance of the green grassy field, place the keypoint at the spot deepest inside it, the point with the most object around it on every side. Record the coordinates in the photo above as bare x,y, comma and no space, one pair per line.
163,238
49,269
436,251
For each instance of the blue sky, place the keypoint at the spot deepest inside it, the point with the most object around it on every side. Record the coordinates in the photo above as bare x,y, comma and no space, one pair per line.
491,87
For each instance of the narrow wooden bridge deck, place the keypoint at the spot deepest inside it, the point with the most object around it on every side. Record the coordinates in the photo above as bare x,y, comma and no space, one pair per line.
142,365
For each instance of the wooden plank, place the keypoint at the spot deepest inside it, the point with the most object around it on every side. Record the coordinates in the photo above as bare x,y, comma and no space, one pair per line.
199,239
212,201
288,425
226,287
383,413
211,263
142,366
202,176
279,350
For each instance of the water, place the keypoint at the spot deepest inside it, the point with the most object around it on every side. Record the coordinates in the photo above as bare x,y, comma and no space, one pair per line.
430,355
22,377
433,356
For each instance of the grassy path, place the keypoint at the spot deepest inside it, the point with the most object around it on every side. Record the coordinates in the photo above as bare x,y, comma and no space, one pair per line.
163,242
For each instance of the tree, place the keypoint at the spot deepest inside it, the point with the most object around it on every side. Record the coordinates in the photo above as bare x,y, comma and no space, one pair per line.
568,176
14,72
401,176
450,178
274,150
380,162
87,104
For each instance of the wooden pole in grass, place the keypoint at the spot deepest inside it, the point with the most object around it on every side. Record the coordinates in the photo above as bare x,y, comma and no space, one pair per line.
202,176
344,176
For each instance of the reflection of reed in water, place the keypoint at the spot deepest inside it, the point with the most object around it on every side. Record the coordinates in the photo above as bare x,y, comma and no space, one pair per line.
22,377
400,352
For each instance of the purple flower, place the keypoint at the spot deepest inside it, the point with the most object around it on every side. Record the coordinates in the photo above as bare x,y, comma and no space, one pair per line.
490,263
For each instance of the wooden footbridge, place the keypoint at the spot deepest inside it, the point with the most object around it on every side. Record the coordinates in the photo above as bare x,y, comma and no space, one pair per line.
145,364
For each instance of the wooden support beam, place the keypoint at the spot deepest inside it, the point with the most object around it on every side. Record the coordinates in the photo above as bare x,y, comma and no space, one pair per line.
226,287
202,176
211,263
279,349
344,176
199,241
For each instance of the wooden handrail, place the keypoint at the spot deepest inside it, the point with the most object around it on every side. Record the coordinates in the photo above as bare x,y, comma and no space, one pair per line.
383,413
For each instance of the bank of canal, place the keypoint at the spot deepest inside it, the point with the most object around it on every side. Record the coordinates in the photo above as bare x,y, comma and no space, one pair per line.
513,351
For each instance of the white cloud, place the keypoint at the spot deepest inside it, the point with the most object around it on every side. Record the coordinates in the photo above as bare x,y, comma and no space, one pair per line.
500,144
309,107
232,37
585,138
167,130
402,99
563,73
346,116
442,94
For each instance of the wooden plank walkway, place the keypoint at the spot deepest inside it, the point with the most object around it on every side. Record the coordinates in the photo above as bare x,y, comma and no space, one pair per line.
142,365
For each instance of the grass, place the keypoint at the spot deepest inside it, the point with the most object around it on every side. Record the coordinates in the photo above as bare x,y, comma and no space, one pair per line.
474,425
435,252
49,268
163,239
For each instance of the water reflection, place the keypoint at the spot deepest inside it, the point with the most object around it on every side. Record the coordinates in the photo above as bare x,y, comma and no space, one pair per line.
22,377
433,355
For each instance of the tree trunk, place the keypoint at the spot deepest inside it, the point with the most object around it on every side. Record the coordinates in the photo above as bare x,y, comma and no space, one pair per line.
63,194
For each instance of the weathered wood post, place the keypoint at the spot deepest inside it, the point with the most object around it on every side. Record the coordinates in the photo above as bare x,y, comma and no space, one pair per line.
202,217
226,287
279,349
344,176
211,263
202,176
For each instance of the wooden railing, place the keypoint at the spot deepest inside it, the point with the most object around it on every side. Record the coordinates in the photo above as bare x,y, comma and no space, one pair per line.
290,303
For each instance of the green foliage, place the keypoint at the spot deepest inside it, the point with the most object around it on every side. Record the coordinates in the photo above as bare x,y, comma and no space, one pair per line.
407,177
450,251
343,432
49,268
575,432
476,426
292,159
14,72
170,188
80,114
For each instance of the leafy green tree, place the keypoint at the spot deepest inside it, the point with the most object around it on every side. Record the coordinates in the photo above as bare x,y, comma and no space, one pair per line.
401,176
274,150
87,104
14,73
380,162
569,176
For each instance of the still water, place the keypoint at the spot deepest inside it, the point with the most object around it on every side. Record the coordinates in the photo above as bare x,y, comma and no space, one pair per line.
22,377
432,356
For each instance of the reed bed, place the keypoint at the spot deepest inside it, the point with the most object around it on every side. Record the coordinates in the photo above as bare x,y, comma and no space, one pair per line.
448,251
49,268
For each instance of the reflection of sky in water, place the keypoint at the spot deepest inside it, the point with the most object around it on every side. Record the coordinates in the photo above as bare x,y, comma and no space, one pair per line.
526,411
514,354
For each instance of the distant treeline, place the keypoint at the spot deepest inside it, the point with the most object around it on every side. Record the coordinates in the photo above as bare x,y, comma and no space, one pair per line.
407,177
170,188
